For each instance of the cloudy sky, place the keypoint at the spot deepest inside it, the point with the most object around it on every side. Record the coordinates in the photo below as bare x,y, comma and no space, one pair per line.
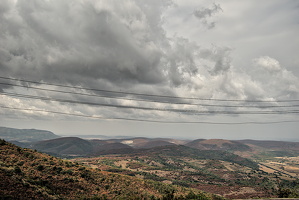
181,68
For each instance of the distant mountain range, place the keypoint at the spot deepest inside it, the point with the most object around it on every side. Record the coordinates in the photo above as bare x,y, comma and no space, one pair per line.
74,147
46,141
25,135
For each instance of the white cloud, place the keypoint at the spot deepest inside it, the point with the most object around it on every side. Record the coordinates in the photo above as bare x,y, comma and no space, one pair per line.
268,63
275,79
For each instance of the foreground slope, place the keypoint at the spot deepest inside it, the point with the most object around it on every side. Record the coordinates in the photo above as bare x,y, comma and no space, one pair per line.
27,174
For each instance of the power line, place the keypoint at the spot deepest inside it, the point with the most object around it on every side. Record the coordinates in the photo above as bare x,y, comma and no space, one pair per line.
153,121
152,101
151,108
142,94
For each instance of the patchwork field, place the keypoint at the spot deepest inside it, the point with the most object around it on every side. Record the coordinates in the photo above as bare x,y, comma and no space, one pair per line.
284,167
226,178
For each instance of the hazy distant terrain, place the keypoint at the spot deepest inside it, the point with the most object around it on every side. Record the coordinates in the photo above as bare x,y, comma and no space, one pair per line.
25,135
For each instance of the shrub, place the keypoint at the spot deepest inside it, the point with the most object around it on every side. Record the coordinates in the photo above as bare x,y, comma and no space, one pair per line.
17,170
40,168
201,196
21,163
81,168
2,142
27,154
69,171
59,169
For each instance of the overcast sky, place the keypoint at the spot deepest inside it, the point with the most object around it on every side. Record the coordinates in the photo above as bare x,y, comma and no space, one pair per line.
240,56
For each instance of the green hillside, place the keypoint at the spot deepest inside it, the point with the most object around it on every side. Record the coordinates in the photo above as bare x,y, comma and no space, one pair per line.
218,144
183,151
64,146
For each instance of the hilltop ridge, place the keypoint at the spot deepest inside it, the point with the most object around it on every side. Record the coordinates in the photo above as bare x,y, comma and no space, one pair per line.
26,135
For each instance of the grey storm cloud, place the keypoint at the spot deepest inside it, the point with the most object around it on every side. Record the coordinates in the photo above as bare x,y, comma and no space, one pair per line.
221,58
97,43
205,15
124,47
72,41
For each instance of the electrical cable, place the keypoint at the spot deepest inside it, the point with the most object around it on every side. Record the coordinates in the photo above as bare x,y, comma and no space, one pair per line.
153,121
142,94
150,108
152,101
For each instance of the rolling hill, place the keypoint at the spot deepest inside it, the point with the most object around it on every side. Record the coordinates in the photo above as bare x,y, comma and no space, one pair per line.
187,152
111,148
27,174
272,145
218,144
153,143
71,146
74,146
